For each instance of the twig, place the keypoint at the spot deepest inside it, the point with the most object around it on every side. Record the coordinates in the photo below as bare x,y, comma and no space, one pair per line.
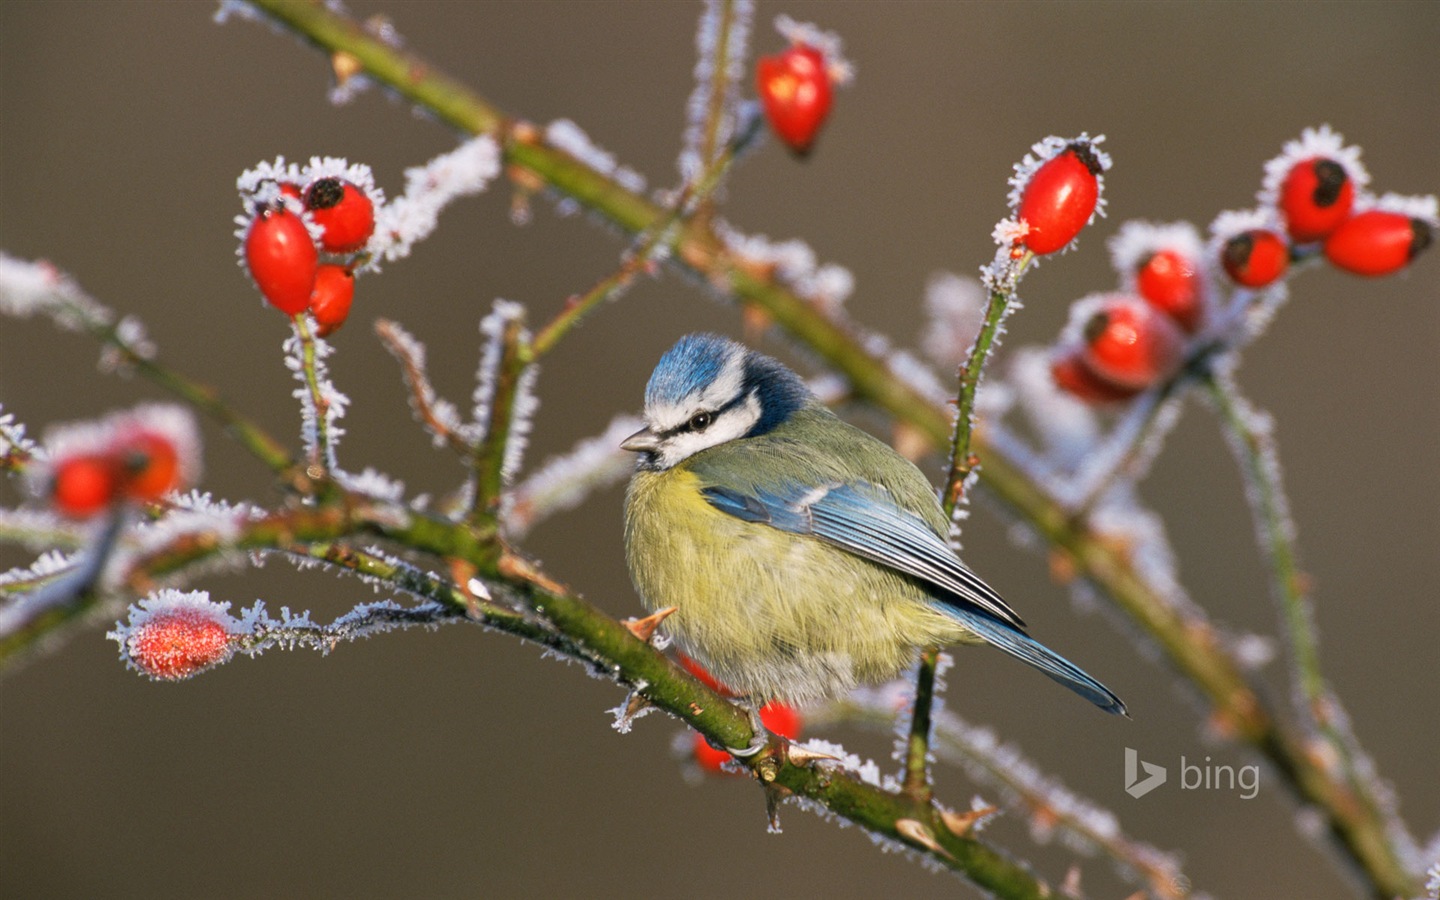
438,416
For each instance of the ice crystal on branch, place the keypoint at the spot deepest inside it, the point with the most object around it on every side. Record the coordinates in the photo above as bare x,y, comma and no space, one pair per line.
437,415
411,217
565,135
708,37
30,288
321,404
794,263
504,316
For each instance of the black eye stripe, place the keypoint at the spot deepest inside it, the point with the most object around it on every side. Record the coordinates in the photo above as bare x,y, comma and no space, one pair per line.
690,425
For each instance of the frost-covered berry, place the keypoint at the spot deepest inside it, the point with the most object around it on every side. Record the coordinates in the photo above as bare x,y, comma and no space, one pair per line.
1315,197
794,87
1378,242
1170,282
1073,376
84,484
331,299
1060,197
149,464
282,258
1131,344
172,635
1255,258
344,213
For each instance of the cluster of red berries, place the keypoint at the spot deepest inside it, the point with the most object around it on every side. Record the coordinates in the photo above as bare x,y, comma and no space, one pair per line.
1318,200
1313,203
134,457
780,718
283,252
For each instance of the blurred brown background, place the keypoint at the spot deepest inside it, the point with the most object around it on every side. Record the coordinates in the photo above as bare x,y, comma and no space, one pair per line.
458,763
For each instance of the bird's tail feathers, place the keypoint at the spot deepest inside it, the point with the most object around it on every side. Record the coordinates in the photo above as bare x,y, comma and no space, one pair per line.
1057,667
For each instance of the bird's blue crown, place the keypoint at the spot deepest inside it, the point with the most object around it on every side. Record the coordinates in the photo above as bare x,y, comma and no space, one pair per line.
698,361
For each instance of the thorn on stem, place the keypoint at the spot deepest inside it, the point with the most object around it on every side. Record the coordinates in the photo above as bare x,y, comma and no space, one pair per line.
961,824
644,629
917,832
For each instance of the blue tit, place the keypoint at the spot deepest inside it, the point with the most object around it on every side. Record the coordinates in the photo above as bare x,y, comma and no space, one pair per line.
804,556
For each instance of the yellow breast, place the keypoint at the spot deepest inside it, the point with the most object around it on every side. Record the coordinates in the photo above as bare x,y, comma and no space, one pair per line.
771,614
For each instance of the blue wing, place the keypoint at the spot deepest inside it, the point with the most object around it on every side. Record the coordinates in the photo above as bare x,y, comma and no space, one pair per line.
865,520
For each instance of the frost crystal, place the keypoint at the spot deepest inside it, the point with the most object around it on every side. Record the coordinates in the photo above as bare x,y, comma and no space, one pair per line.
563,134
697,108
840,69
373,484
466,170
1414,207
438,416
828,285
13,441
28,288
334,402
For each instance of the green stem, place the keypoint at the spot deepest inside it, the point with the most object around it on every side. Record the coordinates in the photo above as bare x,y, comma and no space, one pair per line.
556,618
489,460
962,461
319,455
1255,452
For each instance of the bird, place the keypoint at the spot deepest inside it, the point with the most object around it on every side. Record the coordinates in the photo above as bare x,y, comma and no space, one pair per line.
803,556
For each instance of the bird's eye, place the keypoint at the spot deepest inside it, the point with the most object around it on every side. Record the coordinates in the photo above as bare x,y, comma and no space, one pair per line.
700,421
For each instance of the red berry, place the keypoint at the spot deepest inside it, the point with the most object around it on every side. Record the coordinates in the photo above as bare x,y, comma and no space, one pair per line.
1255,258
83,485
1378,242
1060,197
1315,198
1072,375
782,718
1169,282
330,302
343,211
149,466
700,672
291,190
795,90
1132,344
282,259
707,757
177,643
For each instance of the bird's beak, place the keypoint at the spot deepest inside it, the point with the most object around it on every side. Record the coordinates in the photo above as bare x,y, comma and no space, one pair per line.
642,441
